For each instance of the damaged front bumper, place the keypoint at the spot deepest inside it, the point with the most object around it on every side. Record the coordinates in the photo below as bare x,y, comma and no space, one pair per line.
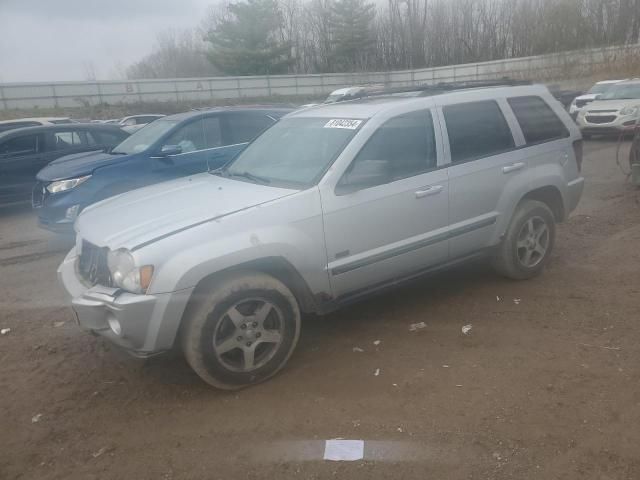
141,324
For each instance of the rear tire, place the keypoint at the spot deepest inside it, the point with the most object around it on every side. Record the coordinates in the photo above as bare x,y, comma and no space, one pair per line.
528,242
241,331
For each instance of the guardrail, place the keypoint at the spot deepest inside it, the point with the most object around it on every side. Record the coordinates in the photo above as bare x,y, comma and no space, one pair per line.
74,94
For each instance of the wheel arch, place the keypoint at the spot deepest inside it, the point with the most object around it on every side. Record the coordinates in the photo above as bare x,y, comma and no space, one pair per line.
278,267
549,195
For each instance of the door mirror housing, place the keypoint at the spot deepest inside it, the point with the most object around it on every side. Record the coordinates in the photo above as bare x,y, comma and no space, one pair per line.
168,150
364,174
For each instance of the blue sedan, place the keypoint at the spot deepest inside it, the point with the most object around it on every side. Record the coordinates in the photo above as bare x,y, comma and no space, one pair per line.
171,147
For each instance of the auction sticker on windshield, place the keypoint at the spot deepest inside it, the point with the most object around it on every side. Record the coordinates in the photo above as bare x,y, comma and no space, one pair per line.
343,123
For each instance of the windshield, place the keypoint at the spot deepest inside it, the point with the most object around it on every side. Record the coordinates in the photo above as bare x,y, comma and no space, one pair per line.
145,137
294,151
600,87
622,92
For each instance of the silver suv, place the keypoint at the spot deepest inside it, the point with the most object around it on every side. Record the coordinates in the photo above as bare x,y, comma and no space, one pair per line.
329,205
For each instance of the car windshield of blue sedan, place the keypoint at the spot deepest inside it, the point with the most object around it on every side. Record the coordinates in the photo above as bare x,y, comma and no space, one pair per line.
295,151
145,137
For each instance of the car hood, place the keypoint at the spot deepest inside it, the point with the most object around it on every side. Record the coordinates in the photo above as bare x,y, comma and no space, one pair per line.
78,164
612,104
587,96
144,215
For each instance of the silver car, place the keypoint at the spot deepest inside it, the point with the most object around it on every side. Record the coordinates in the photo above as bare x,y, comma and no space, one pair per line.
331,204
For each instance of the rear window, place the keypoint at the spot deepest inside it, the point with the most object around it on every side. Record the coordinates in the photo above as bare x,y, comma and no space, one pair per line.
476,130
538,122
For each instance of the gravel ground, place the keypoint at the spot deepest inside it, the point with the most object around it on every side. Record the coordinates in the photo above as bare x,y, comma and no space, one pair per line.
545,385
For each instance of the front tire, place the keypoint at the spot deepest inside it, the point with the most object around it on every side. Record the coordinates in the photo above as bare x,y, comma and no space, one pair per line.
528,242
241,331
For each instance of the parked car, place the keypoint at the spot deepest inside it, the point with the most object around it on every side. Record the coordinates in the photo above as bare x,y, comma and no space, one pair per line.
24,151
614,112
171,147
329,205
594,92
136,122
351,93
32,122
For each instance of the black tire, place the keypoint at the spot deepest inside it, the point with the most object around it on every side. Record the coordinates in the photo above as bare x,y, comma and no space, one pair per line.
233,314
512,258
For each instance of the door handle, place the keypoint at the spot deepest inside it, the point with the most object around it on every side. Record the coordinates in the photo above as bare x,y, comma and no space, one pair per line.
434,189
513,167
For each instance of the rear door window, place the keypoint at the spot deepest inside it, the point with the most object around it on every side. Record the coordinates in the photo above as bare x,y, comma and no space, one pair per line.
66,140
476,130
538,122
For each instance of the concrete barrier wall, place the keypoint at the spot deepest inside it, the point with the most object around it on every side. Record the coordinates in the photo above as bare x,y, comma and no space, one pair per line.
74,94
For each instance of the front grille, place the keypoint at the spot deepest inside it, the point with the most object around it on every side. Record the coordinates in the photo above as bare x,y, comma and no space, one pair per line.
38,195
581,103
92,265
600,118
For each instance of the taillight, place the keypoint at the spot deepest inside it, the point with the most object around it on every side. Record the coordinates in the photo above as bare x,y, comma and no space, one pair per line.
577,151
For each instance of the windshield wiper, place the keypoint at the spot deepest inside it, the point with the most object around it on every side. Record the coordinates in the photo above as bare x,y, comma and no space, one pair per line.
249,176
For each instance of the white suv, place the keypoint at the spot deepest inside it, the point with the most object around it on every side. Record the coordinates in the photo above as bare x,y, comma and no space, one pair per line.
617,111
594,92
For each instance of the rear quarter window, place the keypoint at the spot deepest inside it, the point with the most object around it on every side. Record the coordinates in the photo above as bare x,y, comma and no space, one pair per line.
538,121
476,130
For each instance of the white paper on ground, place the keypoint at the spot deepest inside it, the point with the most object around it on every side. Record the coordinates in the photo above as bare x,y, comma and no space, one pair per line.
346,450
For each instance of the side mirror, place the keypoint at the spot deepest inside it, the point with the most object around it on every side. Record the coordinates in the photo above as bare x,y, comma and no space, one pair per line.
364,174
169,150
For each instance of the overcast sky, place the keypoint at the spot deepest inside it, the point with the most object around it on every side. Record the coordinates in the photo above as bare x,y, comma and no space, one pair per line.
42,40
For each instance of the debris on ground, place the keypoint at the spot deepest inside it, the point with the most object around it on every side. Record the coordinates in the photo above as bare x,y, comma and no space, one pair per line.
466,329
58,324
417,326
4,331
358,350
498,298
516,301
99,452
377,372
445,366
36,418
376,343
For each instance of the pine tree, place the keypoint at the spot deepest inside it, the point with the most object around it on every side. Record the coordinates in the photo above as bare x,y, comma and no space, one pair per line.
246,41
352,33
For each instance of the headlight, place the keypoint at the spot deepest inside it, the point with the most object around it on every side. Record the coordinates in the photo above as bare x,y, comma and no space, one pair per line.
64,185
629,111
125,274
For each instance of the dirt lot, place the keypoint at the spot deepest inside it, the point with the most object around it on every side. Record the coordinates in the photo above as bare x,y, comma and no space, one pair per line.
544,387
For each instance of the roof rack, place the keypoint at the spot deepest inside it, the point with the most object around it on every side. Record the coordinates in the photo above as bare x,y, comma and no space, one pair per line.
435,88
